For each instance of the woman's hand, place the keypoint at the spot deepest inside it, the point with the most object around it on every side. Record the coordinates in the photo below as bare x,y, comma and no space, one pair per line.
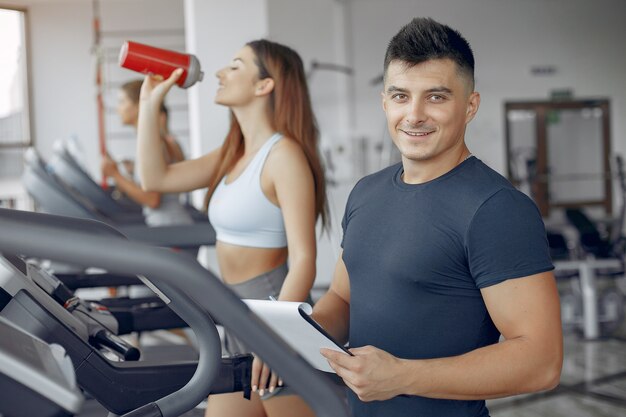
108,166
154,88
260,374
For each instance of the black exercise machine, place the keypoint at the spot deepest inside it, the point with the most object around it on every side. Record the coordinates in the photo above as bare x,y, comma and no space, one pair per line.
36,379
194,292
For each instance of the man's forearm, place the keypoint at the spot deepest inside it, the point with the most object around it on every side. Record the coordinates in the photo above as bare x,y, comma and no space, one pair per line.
511,367
333,314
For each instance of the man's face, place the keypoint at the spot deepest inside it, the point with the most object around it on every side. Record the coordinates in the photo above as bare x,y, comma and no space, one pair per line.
427,106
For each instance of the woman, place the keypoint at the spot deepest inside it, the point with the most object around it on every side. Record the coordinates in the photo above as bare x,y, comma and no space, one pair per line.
159,209
266,190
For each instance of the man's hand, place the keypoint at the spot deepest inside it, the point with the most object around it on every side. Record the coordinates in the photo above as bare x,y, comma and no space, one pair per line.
371,373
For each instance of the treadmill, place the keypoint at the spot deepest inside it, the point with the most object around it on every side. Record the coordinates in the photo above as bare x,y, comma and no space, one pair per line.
36,379
64,166
54,196
195,295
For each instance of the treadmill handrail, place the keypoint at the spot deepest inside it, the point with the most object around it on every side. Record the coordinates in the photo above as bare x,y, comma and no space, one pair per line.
69,223
180,236
31,230
169,271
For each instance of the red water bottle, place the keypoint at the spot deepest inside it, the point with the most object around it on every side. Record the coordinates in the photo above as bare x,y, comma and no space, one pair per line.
148,59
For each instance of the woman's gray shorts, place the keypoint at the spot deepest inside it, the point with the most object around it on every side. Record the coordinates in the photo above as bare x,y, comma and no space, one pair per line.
260,288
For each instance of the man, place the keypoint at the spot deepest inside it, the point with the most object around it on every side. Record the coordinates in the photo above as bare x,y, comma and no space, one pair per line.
441,256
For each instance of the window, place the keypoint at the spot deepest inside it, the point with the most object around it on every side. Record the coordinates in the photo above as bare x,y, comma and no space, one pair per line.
559,153
14,110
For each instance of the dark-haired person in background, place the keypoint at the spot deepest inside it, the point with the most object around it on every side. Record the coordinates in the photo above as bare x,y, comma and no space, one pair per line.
160,209
441,256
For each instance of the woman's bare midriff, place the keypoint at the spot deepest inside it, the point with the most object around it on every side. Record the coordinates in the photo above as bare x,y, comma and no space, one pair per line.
241,263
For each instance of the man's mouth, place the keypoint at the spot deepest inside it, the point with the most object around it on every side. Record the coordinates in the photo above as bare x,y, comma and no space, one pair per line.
416,133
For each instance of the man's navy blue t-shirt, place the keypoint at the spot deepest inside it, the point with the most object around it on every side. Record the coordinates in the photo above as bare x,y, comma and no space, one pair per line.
417,257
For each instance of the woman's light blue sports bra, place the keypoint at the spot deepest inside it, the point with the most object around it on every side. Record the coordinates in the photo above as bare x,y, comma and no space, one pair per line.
241,214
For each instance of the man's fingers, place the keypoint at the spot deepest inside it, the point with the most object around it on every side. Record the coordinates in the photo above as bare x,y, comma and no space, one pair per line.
339,358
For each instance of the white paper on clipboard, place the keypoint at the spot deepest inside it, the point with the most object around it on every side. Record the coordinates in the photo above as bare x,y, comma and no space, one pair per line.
285,319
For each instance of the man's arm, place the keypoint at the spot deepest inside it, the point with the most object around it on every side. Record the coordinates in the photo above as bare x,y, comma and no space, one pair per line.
332,311
527,313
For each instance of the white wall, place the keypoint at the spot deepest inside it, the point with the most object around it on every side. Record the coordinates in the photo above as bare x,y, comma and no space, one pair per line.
163,27
320,31
582,39
62,65
215,31
62,75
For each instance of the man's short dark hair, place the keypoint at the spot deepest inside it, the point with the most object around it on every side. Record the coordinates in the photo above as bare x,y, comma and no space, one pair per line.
424,39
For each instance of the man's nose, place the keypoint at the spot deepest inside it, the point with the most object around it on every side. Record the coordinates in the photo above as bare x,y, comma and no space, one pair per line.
416,113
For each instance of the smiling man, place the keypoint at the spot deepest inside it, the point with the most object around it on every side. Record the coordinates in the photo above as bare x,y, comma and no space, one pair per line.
442,256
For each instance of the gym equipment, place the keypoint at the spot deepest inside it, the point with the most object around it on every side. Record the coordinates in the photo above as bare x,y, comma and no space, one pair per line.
150,60
595,247
53,196
121,315
590,299
591,242
36,379
594,304
194,293
132,315
65,167
119,386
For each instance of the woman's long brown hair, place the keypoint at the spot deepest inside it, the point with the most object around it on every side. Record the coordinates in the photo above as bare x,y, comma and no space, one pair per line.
291,114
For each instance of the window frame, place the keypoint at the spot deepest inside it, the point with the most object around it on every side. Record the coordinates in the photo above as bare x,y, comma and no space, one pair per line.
27,141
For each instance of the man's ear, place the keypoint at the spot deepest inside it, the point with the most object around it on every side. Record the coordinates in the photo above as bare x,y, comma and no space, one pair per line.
383,102
473,102
264,87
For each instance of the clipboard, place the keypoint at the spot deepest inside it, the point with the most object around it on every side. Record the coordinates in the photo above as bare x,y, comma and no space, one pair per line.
320,329
293,322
